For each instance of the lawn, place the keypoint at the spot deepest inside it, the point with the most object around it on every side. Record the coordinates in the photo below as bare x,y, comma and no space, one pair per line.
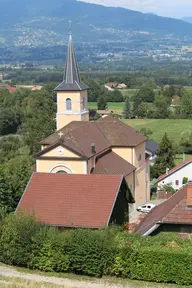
116,107
173,127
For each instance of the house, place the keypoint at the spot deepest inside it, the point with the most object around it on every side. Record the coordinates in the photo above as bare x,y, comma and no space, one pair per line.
175,176
173,215
104,112
151,150
36,88
11,88
82,147
115,85
111,86
76,201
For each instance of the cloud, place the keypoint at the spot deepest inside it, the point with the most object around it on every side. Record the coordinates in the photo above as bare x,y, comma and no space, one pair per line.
174,8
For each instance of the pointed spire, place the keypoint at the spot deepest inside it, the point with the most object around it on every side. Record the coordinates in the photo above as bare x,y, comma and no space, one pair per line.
71,75
71,79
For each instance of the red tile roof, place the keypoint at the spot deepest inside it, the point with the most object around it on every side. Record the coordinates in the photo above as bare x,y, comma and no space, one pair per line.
112,84
111,163
9,87
179,166
172,211
70,200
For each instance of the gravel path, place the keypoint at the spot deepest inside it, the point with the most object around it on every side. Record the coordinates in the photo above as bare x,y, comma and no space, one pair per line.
10,272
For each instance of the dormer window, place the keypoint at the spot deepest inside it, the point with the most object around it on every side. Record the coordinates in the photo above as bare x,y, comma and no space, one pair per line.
68,104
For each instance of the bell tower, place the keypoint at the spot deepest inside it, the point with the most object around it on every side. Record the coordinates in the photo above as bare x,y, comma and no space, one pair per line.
71,93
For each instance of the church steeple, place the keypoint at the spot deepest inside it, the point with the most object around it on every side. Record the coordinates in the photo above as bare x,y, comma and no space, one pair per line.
71,70
71,93
71,79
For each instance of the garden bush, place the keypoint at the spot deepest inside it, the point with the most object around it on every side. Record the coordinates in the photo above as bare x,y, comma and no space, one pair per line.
162,258
169,265
91,252
16,239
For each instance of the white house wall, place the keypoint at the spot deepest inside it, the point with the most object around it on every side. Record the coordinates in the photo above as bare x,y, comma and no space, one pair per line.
186,171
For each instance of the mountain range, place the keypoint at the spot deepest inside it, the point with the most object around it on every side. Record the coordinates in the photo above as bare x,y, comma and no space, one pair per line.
45,23
187,19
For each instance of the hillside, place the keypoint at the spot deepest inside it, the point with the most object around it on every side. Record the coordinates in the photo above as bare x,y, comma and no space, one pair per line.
187,19
45,23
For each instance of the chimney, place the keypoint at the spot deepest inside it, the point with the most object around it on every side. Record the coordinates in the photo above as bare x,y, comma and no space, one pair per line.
189,195
93,148
167,171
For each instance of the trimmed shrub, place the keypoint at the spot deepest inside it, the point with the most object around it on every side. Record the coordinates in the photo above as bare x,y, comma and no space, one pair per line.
16,239
91,252
162,258
163,265
50,254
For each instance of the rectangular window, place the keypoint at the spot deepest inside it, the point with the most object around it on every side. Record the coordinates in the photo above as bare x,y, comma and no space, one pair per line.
177,182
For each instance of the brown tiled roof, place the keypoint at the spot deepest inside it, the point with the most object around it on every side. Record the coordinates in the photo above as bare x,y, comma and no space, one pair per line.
107,132
70,200
172,211
179,166
111,163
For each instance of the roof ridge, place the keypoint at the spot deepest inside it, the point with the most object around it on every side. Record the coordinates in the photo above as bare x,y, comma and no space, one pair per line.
174,169
102,133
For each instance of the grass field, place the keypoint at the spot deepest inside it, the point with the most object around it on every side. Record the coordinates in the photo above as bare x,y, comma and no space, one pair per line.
113,106
173,127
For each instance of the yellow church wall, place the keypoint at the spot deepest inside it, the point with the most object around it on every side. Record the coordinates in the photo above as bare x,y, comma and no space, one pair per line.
61,101
60,152
125,153
130,181
140,149
70,166
142,192
83,94
85,117
64,119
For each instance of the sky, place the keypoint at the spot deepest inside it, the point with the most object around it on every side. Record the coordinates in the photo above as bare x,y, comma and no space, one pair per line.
168,8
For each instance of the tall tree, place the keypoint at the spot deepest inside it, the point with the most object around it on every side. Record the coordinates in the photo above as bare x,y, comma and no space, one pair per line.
186,105
101,103
165,157
127,109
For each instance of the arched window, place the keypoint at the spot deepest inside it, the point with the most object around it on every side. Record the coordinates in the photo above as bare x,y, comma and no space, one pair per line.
68,104
83,103
61,172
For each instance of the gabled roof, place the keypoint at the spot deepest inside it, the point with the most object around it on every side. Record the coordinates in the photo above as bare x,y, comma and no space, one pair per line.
152,146
119,133
55,145
172,211
71,80
176,168
111,163
107,132
69,200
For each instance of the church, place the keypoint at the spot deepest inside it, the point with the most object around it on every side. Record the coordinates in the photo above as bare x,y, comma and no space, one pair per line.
99,149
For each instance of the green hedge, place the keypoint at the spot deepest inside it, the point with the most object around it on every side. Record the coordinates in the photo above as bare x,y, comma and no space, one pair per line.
163,258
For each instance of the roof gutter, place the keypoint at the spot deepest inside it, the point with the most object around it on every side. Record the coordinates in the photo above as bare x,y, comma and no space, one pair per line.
155,227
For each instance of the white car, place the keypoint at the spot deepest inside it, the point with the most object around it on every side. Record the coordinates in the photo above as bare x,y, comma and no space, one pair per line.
146,208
